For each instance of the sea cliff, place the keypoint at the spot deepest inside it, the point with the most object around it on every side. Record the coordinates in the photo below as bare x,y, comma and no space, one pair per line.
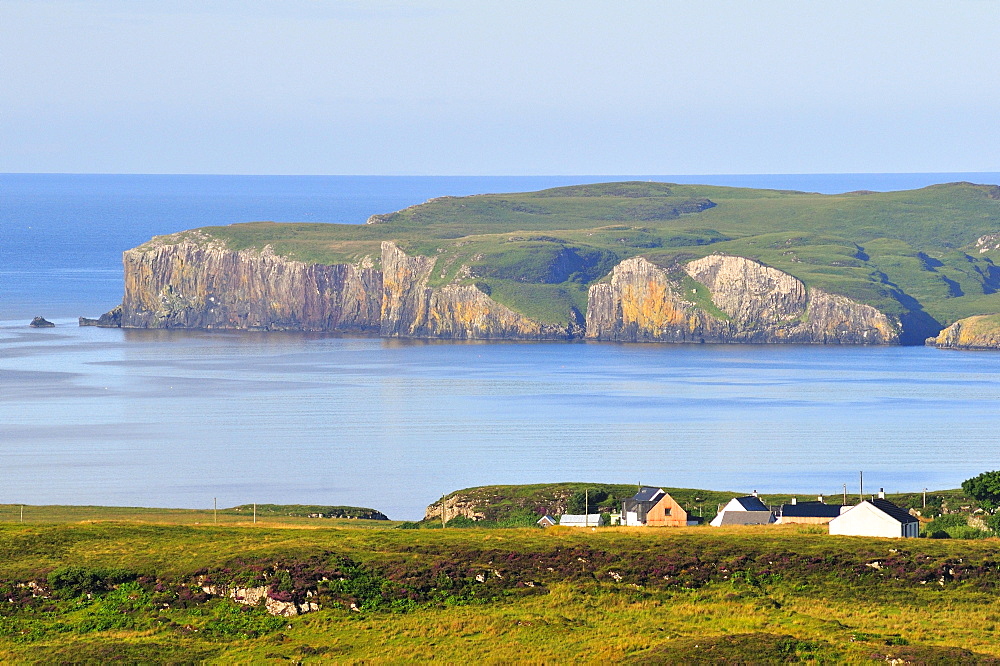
200,283
745,302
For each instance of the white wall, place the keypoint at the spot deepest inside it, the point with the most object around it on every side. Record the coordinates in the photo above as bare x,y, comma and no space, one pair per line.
866,520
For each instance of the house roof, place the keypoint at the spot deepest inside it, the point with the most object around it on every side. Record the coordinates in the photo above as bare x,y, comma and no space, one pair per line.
580,520
751,503
648,494
897,513
548,519
810,510
747,518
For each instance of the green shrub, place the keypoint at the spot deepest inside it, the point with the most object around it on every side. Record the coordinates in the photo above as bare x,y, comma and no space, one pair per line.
68,582
125,607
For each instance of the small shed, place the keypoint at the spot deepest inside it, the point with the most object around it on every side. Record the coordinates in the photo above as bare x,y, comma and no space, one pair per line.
876,517
741,505
546,521
581,520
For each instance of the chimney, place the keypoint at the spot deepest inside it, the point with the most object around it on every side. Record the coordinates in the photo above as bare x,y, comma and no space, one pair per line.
881,493
793,501
820,499
754,493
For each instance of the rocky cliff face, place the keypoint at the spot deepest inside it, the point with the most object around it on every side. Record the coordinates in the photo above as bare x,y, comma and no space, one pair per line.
979,332
199,283
412,309
644,302
205,285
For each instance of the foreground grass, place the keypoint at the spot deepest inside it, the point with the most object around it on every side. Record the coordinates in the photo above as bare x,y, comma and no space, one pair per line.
690,595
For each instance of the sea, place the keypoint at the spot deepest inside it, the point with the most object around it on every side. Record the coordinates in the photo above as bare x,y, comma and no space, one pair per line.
189,418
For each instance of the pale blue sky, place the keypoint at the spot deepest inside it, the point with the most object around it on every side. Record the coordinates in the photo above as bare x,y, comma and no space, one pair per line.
512,87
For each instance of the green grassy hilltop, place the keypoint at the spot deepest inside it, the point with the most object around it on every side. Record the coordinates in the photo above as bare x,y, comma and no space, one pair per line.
926,255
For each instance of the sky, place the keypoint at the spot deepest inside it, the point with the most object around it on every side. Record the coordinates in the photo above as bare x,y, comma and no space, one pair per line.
435,87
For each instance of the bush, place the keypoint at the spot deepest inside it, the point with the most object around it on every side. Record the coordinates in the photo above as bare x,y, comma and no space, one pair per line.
68,582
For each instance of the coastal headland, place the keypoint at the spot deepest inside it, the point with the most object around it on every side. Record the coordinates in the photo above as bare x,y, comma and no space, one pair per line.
628,262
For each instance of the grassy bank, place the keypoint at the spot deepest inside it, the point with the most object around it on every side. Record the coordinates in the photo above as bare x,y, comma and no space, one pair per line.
96,591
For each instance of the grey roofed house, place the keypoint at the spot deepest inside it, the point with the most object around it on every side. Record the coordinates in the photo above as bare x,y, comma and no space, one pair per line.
546,521
746,518
876,517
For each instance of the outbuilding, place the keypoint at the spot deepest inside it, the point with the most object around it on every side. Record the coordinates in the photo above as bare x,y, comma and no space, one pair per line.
546,521
876,517
581,520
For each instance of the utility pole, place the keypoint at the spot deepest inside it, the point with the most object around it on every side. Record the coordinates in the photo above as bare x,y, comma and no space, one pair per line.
586,507
845,493
925,498
22,513
861,487
215,510
255,513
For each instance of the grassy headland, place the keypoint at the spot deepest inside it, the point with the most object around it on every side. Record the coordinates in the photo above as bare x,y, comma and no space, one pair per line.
917,253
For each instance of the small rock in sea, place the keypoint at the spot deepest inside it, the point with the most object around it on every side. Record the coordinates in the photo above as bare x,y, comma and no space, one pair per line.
41,322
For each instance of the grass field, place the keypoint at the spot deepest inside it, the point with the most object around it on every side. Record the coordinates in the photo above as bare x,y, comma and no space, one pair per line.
910,253
84,588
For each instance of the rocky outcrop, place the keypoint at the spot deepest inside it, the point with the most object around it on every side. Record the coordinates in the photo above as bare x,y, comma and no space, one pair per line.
753,303
260,596
454,506
41,322
410,308
110,319
205,285
979,332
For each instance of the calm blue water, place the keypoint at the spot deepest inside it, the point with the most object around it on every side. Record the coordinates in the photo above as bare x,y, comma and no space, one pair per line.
171,418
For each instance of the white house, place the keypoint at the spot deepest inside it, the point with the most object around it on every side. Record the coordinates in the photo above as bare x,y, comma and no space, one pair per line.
876,517
747,510
581,520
